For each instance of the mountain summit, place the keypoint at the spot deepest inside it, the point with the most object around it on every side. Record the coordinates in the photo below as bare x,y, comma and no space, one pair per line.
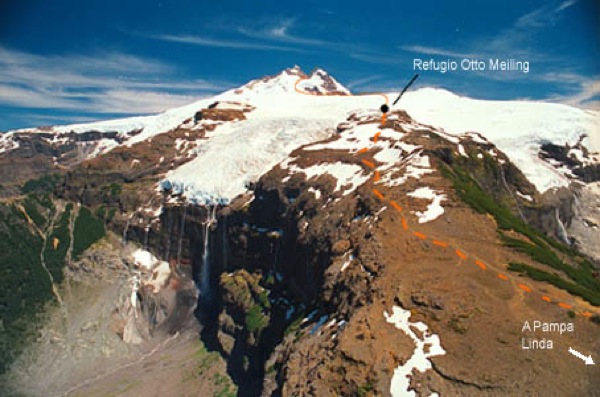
290,80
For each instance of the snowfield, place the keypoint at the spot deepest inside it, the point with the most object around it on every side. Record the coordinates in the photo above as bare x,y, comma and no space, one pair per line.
283,119
518,128
239,153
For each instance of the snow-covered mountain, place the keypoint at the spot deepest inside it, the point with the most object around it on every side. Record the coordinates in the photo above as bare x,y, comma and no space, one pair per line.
298,219
292,109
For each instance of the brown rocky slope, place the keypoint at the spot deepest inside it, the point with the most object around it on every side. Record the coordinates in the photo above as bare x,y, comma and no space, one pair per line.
347,259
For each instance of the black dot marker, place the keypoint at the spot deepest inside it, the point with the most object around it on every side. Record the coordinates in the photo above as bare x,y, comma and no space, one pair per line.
385,108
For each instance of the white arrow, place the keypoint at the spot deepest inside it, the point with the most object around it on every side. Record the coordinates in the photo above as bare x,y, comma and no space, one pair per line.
587,359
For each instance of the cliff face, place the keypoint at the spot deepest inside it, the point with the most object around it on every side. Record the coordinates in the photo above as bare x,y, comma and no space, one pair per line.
332,264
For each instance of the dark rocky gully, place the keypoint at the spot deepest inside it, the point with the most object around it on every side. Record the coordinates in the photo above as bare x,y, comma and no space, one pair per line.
262,239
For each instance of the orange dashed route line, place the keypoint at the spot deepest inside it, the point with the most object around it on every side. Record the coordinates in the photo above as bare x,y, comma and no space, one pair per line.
397,207
460,254
524,287
480,264
420,235
368,163
394,204
378,194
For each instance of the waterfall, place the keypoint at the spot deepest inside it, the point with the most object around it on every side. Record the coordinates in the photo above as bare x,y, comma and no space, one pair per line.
224,245
124,239
205,277
168,236
511,194
562,231
146,231
181,231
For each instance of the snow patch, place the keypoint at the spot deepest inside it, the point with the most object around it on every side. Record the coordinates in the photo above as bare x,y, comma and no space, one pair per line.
144,259
525,196
160,270
427,345
417,166
346,263
316,192
348,176
160,276
434,209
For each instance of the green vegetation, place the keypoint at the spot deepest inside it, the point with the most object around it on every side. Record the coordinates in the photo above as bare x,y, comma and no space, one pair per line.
226,388
245,295
88,229
540,275
472,194
115,189
295,325
55,257
582,275
24,284
263,298
43,184
455,324
256,320
204,361
100,212
539,247
106,214
32,207
112,190
534,251
366,389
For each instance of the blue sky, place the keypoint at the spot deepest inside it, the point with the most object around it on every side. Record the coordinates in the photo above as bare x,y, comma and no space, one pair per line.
71,60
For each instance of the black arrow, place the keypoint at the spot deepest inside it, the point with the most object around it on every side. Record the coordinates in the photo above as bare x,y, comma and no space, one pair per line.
406,88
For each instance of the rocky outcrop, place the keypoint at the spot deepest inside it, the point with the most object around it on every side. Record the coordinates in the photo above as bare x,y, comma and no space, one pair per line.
576,158
30,154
